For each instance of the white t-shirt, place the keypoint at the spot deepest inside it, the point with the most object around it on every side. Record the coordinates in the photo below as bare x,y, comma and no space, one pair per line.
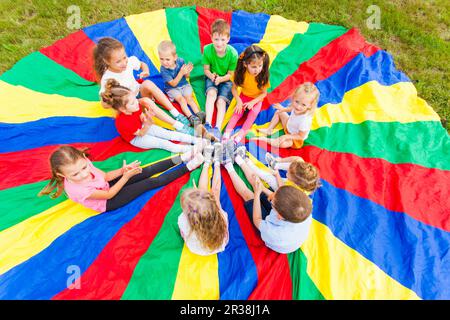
125,78
284,236
297,123
191,239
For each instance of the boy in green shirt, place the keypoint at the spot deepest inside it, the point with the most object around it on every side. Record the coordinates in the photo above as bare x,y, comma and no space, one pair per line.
219,62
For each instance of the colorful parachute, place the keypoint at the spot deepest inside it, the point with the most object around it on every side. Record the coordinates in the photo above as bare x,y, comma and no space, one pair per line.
381,219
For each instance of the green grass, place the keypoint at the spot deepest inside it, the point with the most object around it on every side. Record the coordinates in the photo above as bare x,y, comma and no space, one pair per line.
415,32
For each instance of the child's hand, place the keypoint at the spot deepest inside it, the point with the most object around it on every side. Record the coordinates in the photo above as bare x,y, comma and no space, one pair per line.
132,172
185,69
249,105
126,167
217,80
257,186
129,170
278,106
146,116
190,67
276,173
238,108
145,119
149,114
144,74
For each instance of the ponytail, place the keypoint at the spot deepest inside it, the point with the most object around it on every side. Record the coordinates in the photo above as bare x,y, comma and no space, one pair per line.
64,155
56,182
114,94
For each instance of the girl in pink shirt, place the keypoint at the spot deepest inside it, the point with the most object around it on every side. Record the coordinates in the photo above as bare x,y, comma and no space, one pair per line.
75,174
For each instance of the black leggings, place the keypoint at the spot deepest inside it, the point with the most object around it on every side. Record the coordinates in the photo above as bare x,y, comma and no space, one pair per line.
142,182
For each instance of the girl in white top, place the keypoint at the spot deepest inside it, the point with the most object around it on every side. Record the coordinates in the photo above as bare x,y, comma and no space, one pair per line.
298,123
203,223
112,62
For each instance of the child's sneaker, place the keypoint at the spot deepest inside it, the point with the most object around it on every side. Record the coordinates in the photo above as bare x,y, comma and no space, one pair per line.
208,153
180,117
194,120
208,127
241,151
229,152
217,133
198,147
210,137
195,162
226,136
200,131
271,161
186,156
187,130
217,152
202,116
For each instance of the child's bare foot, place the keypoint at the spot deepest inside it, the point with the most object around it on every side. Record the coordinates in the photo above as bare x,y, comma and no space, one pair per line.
265,131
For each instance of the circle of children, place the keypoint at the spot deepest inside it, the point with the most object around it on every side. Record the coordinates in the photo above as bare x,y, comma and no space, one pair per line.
282,214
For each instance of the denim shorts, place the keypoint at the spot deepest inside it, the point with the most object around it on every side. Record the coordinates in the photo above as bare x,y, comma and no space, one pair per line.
266,207
184,91
223,89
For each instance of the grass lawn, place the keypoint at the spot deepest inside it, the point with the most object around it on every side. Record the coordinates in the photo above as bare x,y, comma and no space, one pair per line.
415,32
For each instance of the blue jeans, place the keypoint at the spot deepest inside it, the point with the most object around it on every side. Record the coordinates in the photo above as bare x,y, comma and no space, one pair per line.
223,89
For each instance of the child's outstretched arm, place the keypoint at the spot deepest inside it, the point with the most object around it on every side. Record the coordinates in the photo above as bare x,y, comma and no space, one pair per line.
280,108
106,195
278,177
111,175
234,91
147,122
297,136
203,181
145,70
216,184
269,193
257,216
290,159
